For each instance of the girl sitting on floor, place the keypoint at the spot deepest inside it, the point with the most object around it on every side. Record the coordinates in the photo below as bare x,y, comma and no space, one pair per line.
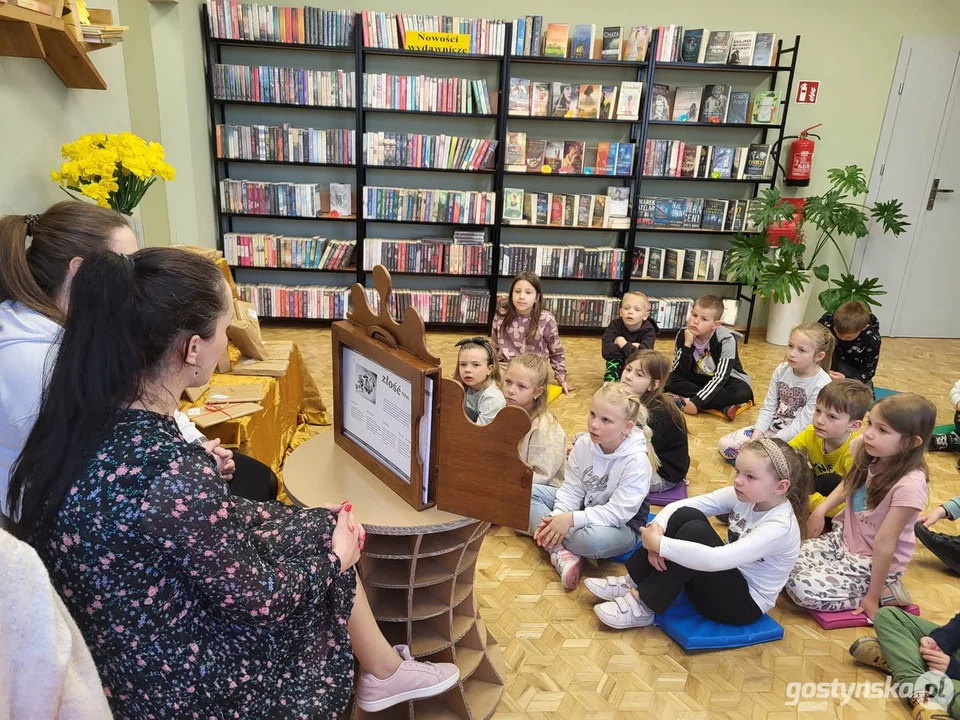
646,372
544,447
193,602
858,565
603,496
735,582
479,373
522,325
792,396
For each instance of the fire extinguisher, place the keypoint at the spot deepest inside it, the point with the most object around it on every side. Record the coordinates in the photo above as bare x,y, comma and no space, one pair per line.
800,158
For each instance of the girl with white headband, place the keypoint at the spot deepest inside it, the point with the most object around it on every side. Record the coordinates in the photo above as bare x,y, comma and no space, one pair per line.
734,582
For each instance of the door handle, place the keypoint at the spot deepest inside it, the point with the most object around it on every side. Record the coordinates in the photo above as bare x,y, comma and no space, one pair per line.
934,189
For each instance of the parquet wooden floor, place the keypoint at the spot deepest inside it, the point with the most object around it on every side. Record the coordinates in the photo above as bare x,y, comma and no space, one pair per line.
563,663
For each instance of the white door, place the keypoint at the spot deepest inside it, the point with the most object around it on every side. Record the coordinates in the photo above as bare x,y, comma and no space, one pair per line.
919,147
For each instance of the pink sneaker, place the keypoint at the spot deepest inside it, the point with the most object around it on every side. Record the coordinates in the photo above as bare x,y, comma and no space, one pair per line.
568,566
413,680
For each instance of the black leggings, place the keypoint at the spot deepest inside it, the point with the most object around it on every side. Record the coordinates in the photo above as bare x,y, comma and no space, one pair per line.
721,596
253,480
733,392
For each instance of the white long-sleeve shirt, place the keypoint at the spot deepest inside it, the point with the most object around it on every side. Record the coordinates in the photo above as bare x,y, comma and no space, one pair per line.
762,544
605,489
955,394
790,402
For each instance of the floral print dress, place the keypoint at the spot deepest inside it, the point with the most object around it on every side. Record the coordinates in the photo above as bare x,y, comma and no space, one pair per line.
195,603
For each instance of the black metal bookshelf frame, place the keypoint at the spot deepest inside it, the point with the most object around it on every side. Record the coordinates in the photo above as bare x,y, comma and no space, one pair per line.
646,72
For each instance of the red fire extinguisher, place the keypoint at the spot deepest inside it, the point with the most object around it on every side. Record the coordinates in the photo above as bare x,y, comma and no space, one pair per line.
800,158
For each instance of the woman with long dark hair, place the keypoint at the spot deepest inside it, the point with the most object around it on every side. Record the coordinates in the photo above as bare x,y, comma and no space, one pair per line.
194,603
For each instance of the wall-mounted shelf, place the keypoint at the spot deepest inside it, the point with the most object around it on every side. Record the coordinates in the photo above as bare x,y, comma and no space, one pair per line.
29,34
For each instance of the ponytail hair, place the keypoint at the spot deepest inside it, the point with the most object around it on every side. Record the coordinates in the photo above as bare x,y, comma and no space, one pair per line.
133,319
823,339
798,473
34,276
628,404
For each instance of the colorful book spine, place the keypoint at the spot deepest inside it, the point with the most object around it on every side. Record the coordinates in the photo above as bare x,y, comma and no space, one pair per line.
428,255
563,261
230,20
419,93
280,251
439,152
451,207
389,30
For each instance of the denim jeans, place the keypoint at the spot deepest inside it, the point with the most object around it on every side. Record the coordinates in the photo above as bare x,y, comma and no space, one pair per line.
598,541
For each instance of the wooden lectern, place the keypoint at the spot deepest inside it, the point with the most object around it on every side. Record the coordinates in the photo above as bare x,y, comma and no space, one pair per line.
404,423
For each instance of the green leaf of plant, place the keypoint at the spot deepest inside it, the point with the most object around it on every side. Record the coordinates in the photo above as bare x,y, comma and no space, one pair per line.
822,272
850,179
780,279
849,288
747,258
890,214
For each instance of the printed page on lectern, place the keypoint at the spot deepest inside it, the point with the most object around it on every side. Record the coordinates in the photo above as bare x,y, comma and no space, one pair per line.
377,410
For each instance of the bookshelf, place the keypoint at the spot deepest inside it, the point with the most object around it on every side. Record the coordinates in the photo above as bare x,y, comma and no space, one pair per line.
494,176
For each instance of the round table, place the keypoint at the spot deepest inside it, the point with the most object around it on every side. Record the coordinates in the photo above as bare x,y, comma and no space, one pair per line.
417,569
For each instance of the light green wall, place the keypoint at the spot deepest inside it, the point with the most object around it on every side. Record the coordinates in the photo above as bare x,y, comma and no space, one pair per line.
38,114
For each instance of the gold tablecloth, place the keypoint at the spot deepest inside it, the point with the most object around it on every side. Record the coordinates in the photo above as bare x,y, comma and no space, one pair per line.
289,404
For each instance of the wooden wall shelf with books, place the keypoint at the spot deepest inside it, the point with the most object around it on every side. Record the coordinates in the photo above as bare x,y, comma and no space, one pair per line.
359,60
27,33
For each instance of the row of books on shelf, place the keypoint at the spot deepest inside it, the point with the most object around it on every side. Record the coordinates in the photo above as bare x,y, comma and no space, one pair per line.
717,104
718,215
532,98
391,30
306,200
598,311
533,155
579,42
563,261
294,86
465,254
284,143
443,152
522,207
673,158
473,207
284,251
233,20
422,93
695,265
311,302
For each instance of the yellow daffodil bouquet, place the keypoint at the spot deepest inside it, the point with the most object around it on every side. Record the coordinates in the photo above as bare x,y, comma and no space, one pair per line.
115,170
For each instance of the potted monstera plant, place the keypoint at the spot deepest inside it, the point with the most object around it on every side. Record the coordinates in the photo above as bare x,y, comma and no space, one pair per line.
782,259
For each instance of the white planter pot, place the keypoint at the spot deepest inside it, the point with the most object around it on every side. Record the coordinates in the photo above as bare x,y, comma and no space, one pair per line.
784,317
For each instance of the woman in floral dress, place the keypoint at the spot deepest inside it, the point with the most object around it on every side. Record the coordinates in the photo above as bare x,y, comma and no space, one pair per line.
194,603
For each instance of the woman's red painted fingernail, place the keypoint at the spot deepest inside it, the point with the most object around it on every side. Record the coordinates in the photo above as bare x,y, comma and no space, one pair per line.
348,507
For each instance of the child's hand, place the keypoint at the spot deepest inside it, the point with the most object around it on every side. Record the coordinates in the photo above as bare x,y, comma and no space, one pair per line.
553,530
567,388
650,537
931,653
756,434
815,524
620,341
834,375
224,458
657,561
687,337
868,605
934,516
688,407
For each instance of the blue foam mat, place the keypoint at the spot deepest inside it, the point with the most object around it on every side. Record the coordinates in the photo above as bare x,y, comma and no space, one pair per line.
692,631
879,393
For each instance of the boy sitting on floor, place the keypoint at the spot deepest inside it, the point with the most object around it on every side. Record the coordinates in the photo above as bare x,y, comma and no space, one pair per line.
945,547
950,440
841,406
857,331
630,332
707,374
924,660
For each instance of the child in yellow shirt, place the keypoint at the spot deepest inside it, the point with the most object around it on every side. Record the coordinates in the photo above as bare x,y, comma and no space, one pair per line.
841,406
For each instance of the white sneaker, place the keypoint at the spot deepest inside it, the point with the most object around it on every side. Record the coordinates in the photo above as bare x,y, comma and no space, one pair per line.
568,567
895,594
624,612
610,588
